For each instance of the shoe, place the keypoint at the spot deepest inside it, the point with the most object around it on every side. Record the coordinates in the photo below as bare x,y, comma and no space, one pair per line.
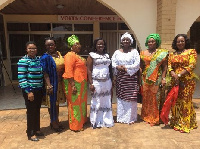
39,133
61,126
55,129
33,138
182,131
176,129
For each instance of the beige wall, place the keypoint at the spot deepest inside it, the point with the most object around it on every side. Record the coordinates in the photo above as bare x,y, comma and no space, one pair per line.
187,11
139,15
4,3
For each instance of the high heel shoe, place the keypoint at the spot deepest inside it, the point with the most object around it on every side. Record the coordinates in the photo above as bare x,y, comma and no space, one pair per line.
61,126
33,138
55,129
176,129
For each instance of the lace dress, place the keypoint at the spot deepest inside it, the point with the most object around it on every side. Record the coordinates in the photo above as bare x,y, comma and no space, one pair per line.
101,109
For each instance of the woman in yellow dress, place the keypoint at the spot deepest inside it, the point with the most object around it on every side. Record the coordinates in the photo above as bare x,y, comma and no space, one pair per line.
181,64
75,80
53,66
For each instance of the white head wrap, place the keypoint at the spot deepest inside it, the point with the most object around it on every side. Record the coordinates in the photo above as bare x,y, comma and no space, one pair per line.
128,36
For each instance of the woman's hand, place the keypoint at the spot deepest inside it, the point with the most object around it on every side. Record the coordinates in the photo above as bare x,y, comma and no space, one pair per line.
92,88
50,91
121,67
163,82
30,96
74,90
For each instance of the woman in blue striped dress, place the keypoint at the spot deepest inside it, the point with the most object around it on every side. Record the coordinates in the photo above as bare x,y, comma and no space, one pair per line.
30,77
126,63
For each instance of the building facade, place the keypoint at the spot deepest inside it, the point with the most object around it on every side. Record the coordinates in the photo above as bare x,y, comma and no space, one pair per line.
21,21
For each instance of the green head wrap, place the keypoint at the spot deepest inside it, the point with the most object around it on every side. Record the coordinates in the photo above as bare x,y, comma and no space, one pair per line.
156,37
72,40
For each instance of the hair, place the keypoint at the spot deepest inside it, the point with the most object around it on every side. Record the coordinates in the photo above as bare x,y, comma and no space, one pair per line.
30,42
95,43
187,41
49,38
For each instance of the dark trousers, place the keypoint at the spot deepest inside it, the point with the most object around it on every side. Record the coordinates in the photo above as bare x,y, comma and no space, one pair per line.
33,112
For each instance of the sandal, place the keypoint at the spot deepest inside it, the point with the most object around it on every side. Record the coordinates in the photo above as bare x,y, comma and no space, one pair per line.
176,129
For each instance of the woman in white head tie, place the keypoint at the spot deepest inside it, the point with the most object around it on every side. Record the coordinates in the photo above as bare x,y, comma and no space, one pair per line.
126,63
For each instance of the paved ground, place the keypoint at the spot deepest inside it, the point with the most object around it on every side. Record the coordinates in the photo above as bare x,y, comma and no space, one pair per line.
139,135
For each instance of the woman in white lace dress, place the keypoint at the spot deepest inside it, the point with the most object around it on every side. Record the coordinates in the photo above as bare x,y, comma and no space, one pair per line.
126,63
100,85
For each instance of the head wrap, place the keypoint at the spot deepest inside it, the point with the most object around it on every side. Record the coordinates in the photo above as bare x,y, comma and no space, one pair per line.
72,40
156,37
127,35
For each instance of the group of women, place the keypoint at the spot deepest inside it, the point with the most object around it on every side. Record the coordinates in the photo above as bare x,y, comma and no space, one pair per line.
67,78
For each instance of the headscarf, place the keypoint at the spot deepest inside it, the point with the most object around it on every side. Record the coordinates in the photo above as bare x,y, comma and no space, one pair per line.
72,40
156,37
127,35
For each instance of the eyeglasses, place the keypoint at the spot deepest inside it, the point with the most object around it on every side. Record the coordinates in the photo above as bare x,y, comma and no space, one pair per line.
50,45
32,48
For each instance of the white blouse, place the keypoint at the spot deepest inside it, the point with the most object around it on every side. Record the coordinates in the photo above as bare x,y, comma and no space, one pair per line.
130,60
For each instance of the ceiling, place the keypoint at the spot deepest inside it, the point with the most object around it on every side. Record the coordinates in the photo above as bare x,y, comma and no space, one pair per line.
49,7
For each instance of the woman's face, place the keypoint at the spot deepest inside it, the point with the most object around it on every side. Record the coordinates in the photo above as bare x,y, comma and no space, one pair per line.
50,46
76,47
100,46
180,43
126,42
31,50
152,43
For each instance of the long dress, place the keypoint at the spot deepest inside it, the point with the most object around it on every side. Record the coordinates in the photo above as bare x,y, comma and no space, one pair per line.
183,114
59,61
75,67
49,67
151,79
126,85
101,109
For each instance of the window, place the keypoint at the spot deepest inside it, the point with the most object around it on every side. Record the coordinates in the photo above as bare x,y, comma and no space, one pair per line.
40,26
62,27
108,26
83,27
3,53
17,26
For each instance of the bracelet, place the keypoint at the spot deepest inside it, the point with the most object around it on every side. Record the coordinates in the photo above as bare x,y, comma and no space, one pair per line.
179,75
50,87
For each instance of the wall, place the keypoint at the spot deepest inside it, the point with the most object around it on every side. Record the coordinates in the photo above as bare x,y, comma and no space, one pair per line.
187,11
139,15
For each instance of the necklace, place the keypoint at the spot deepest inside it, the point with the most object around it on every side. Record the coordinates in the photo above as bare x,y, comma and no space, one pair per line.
151,51
179,52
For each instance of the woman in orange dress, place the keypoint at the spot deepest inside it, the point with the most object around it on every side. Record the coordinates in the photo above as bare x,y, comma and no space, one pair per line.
154,68
181,65
75,80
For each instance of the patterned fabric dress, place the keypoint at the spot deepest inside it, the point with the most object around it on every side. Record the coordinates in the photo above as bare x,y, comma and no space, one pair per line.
75,67
101,109
151,79
183,114
60,90
126,85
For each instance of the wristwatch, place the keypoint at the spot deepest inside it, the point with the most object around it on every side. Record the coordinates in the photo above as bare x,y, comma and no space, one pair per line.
179,75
